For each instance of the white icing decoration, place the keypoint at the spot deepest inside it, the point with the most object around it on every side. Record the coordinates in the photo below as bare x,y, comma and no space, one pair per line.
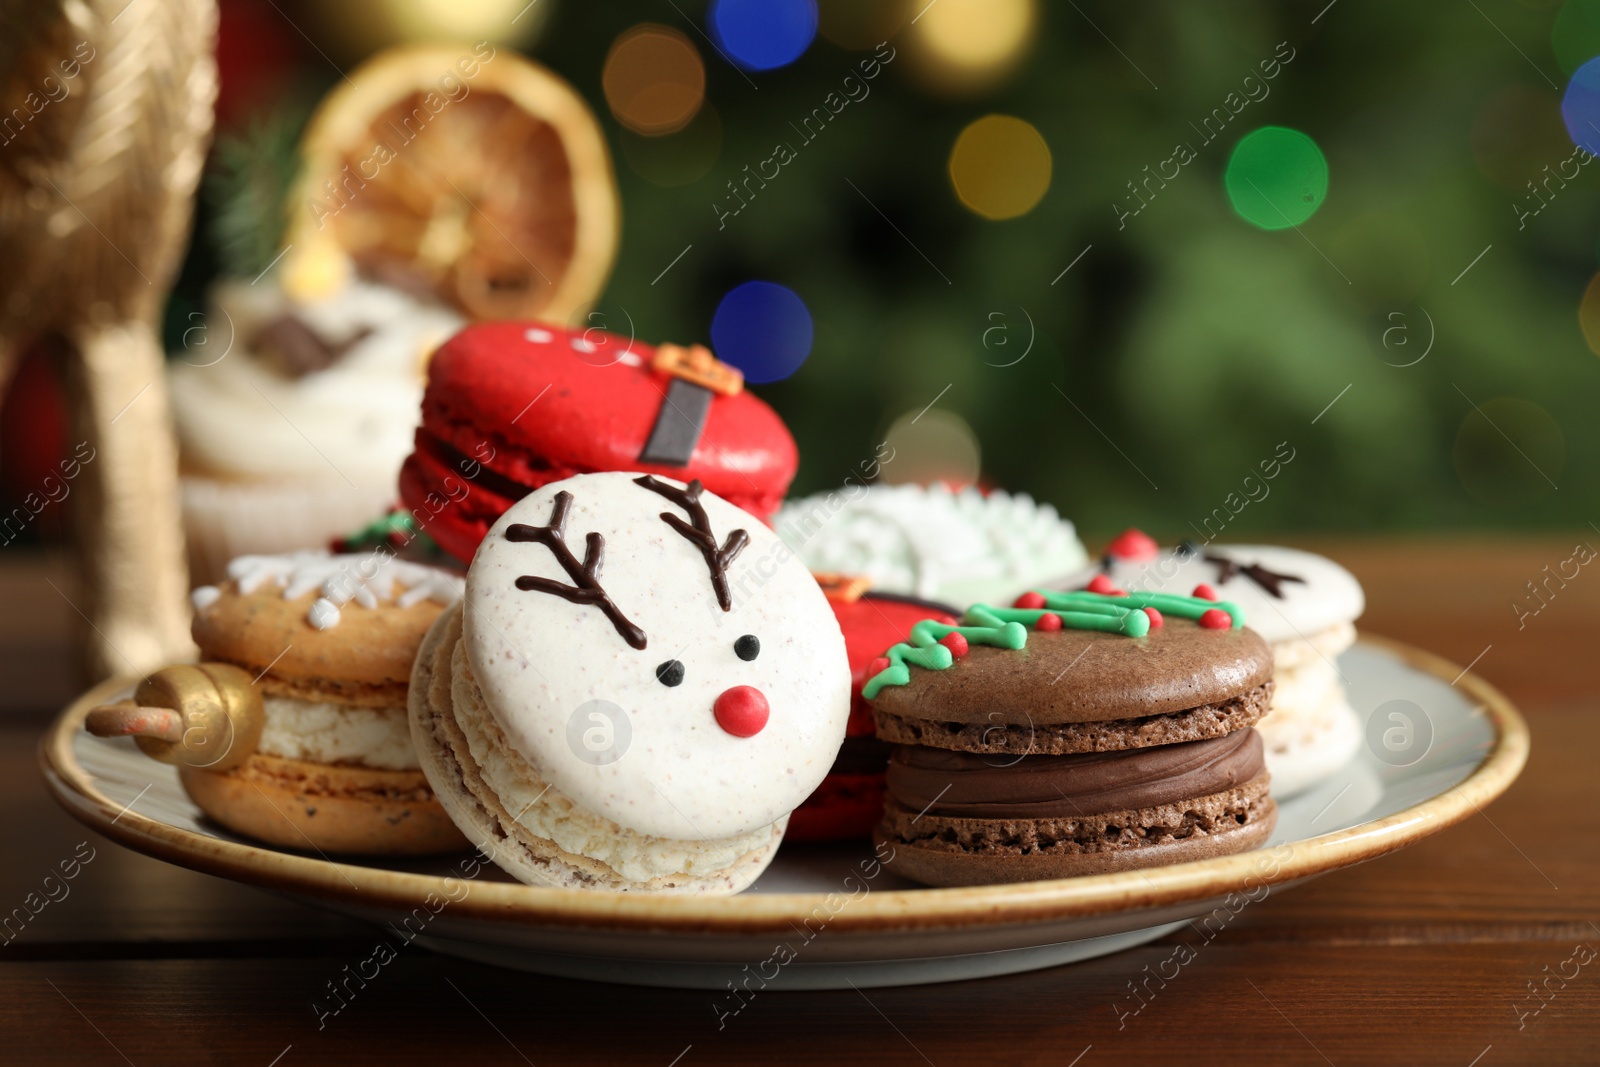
202,597
630,358
583,344
538,336
366,578
323,614
539,658
962,547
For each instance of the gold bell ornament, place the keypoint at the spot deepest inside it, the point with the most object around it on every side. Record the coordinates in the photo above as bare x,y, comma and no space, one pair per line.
206,715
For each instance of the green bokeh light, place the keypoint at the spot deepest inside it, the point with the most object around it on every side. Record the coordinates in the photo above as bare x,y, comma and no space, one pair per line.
1276,177
1575,34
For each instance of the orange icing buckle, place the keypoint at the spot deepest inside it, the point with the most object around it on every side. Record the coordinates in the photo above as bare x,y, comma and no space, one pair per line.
696,364
843,588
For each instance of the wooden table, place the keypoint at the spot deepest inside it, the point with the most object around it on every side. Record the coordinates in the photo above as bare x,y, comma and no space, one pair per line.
1425,956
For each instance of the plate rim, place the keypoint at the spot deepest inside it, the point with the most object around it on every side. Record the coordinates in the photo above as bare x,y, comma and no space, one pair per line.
878,911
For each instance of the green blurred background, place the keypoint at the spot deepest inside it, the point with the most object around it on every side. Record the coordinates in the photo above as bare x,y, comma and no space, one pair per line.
1181,349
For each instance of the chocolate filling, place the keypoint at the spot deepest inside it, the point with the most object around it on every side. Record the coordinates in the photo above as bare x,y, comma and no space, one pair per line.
969,785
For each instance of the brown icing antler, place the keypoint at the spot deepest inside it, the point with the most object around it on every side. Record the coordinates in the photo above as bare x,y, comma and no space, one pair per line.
585,577
699,534
1270,581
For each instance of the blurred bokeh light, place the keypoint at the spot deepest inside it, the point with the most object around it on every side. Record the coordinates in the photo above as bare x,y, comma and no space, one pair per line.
968,45
1580,107
654,80
1589,315
353,29
932,446
1000,167
763,34
1575,34
1276,177
764,329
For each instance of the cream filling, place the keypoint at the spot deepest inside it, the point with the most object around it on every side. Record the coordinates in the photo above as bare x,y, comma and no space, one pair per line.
379,738
1321,647
544,812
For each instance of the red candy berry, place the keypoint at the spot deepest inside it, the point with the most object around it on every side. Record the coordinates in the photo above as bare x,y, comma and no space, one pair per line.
1101,584
742,711
1049,621
1205,592
1030,601
1216,619
1136,546
877,666
1156,621
955,642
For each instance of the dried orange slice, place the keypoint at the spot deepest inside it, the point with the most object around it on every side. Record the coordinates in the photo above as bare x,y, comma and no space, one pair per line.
464,171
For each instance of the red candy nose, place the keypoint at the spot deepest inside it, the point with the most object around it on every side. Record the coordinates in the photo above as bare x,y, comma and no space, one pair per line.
742,711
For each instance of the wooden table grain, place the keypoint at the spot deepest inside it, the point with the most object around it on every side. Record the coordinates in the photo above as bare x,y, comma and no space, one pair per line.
1477,947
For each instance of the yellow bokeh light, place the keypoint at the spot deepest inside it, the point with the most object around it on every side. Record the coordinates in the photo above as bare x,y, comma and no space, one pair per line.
929,447
1589,315
654,80
969,44
1000,167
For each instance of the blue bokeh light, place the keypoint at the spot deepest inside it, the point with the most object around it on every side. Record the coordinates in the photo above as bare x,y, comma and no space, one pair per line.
1580,106
763,329
763,34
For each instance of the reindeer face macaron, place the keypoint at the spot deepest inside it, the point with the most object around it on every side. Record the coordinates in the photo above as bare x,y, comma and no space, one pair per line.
658,659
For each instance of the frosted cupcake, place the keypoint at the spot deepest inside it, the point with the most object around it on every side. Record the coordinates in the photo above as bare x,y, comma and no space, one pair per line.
957,547
294,417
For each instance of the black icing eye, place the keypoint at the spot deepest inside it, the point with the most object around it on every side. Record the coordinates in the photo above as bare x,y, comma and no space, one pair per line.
670,672
747,647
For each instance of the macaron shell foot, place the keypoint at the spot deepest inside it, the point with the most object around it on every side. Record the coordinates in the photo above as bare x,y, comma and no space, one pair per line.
326,808
955,852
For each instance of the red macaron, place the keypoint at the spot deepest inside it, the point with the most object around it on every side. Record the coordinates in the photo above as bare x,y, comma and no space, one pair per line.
511,406
849,801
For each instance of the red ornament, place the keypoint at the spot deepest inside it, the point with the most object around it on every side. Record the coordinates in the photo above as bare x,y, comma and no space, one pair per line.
1216,619
742,711
1101,584
1156,621
1205,592
955,642
1030,601
1135,546
1048,622
877,666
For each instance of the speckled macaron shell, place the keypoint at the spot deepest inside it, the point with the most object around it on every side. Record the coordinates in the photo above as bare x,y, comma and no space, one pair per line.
339,809
541,659
365,660
1085,676
1328,595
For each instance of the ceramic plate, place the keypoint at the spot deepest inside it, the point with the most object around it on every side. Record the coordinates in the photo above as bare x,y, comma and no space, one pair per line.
1441,744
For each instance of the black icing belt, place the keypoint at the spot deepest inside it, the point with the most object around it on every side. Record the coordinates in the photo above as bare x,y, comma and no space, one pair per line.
973,785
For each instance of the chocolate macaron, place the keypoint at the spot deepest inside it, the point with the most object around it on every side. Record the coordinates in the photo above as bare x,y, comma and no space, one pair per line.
1074,733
